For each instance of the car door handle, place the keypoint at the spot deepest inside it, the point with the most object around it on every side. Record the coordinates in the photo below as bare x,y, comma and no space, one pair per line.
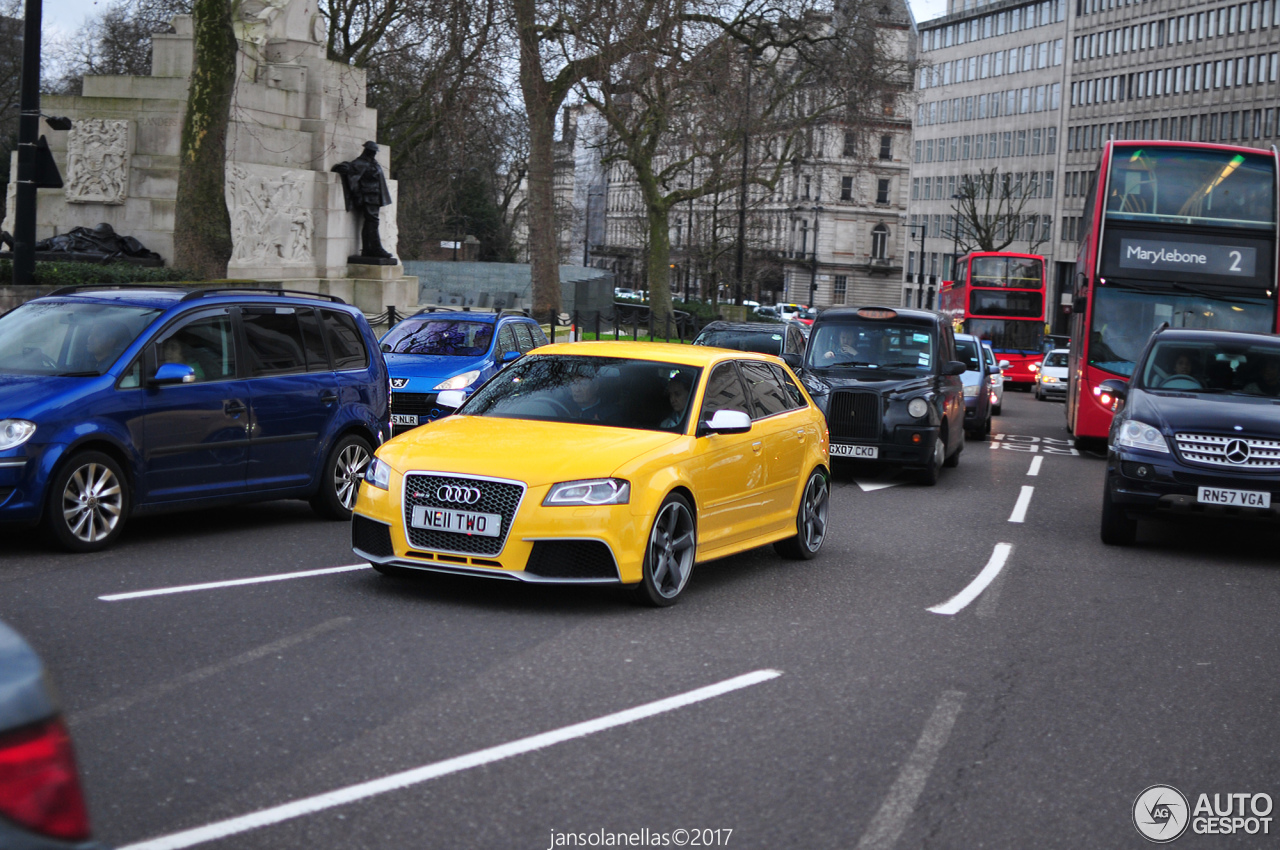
755,447
328,396
234,408
800,433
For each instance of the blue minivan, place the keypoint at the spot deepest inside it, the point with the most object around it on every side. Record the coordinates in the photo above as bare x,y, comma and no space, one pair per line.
124,401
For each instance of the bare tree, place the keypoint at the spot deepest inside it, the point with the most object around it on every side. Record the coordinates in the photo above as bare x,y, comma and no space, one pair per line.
115,42
991,211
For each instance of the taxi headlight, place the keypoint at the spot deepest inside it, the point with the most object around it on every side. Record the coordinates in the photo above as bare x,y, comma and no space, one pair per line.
971,391
594,491
1139,435
459,382
918,408
15,432
378,474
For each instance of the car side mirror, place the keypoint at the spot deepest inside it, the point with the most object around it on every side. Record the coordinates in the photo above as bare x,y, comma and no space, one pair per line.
451,398
173,373
954,368
1118,388
727,422
1080,305
793,360
1005,364
508,356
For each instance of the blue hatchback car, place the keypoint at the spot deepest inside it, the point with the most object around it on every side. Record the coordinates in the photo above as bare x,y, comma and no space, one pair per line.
117,402
439,350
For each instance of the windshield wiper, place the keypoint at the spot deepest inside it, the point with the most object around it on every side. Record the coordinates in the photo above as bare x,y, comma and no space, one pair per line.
901,364
90,374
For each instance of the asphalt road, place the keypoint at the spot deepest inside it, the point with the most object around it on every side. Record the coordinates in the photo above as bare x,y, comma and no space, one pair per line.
1033,716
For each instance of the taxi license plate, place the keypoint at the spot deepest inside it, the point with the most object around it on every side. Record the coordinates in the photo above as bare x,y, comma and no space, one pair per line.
458,522
1233,498
864,452
404,419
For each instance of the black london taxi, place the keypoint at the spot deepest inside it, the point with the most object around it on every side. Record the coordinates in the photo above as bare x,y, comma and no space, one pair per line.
1197,431
888,381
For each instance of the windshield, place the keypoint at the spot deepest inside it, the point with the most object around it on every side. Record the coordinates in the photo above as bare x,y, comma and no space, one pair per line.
612,391
1008,334
764,343
1010,272
1214,367
444,337
1056,359
1219,188
1123,320
68,338
872,345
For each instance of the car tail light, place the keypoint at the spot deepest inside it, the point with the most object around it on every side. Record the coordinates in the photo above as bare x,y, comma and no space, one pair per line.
39,788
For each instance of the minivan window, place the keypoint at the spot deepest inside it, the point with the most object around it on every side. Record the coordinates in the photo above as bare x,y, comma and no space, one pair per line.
275,341
345,341
205,344
313,341
68,338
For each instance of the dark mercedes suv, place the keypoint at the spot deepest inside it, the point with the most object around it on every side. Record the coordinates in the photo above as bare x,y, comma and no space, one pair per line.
1197,431
888,381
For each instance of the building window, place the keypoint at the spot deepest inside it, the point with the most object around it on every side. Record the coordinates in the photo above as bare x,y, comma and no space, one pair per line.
846,188
886,147
851,145
838,291
879,243
882,191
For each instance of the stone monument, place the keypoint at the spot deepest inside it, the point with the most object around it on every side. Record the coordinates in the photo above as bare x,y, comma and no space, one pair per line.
295,115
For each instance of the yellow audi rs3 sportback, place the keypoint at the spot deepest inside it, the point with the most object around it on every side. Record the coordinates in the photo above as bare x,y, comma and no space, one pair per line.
604,463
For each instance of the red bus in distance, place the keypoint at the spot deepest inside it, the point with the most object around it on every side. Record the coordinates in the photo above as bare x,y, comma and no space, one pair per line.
1181,233
998,296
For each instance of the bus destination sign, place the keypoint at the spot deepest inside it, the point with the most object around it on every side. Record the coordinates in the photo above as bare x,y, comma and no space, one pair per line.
1198,258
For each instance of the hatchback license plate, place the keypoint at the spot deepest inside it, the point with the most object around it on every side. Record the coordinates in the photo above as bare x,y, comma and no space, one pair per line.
864,452
1233,498
458,522
404,419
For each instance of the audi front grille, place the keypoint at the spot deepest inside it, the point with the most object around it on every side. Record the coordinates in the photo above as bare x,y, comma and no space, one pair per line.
497,496
1249,453
854,415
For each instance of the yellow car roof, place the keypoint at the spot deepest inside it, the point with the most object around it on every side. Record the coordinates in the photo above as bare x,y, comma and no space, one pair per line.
663,352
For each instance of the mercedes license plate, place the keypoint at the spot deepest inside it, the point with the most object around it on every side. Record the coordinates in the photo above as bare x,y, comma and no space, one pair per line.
1233,498
458,522
404,419
864,452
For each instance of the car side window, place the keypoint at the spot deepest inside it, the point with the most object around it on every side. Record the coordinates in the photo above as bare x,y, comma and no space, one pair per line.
506,341
313,341
539,338
275,341
345,341
767,395
523,338
795,398
206,344
724,392
947,342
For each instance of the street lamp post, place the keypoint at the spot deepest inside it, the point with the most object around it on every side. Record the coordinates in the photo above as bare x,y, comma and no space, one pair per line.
923,228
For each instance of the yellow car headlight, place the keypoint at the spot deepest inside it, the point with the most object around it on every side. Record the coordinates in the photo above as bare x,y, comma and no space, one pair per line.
378,474
594,491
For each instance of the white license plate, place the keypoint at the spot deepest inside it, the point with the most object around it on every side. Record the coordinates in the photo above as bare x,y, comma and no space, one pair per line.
404,419
458,522
864,452
1233,498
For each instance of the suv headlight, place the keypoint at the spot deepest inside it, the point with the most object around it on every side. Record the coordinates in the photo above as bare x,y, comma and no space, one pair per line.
15,432
459,382
918,407
972,391
378,474
1139,435
594,491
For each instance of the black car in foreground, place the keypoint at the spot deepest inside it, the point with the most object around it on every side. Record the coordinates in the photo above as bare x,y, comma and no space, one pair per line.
783,340
1197,431
888,381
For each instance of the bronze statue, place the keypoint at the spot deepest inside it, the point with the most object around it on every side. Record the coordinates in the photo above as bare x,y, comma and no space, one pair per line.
365,187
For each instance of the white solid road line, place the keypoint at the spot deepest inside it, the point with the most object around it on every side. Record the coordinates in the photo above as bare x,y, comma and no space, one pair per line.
1020,507
891,819
957,603
162,688
138,594
1035,465
405,779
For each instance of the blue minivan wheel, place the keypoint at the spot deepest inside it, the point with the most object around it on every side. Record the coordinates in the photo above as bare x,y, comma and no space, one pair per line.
88,503
340,477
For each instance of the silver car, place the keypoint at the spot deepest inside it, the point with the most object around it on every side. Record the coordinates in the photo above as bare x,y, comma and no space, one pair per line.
1051,377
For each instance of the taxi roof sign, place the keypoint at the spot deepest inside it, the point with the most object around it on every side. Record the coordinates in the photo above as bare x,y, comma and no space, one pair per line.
877,313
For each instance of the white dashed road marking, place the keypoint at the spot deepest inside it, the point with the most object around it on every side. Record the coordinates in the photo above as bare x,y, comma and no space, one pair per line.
405,779
163,591
1035,465
957,603
1024,501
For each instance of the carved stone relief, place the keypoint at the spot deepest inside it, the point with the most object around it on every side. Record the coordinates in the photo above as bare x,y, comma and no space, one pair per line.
98,161
269,222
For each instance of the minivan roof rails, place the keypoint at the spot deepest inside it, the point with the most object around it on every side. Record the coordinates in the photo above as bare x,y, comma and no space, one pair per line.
250,290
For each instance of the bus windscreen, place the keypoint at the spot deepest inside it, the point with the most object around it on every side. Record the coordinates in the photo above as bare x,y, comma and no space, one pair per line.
1192,186
1006,272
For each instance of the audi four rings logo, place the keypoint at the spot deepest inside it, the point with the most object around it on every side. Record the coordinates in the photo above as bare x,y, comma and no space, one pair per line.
1237,451
457,493
399,383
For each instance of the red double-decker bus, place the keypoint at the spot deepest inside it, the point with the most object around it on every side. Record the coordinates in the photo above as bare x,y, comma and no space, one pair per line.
999,297
1175,232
